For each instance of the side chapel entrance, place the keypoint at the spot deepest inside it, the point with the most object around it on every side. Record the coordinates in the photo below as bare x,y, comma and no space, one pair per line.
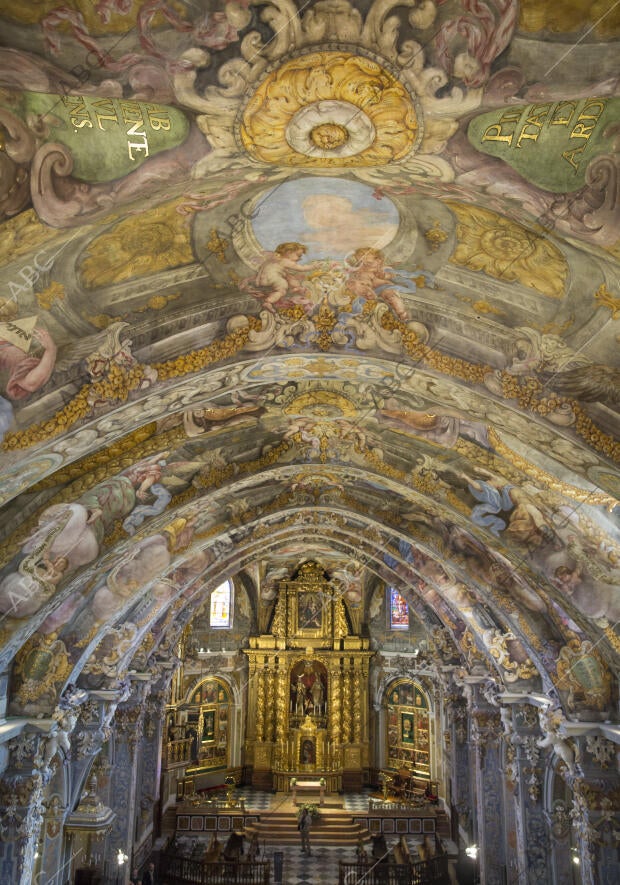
308,690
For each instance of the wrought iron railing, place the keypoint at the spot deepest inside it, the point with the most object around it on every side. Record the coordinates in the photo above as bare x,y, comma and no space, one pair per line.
424,872
175,870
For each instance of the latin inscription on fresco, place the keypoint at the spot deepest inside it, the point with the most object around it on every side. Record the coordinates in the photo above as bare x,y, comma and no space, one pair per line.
131,115
549,143
107,137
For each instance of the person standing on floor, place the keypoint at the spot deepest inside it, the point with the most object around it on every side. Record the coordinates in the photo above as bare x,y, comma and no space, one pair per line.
305,822
148,877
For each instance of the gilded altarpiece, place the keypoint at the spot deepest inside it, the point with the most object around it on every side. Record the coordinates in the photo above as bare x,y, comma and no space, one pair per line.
408,728
308,690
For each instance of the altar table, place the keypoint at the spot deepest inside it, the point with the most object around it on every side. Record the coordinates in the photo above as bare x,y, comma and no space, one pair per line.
310,786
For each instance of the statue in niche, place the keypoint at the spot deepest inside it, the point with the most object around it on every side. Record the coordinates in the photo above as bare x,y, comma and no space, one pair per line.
317,695
300,696
308,689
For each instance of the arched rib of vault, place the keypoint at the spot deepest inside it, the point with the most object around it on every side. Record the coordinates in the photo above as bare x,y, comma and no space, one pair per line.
376,476
97,659
267,480
406,459
378,378
232,492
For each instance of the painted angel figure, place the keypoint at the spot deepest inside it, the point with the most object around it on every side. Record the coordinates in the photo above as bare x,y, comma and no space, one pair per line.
370,280
279,280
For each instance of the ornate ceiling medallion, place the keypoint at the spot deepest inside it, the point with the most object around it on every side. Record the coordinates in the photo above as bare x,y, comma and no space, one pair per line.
330,129
330,109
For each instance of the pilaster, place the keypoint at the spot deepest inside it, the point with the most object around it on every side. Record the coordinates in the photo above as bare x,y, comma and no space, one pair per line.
533,842
485,735
149,773
455,740
128,729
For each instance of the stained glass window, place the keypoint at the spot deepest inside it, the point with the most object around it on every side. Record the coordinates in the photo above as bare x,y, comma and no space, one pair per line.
399,611
221,605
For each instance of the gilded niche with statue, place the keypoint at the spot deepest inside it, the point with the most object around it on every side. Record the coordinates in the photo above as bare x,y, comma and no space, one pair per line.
308,693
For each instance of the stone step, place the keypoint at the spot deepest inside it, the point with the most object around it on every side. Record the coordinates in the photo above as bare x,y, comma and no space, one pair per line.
348,840
330,818
332,828
329,827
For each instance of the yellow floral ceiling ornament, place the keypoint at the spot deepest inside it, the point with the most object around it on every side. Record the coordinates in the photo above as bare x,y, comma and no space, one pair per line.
507,251
435,236
606,299
52,293
357,102
330,109
138,246
319,403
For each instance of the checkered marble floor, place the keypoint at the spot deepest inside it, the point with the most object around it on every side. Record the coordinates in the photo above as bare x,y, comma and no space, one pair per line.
258,800
357,801
255,800
320,868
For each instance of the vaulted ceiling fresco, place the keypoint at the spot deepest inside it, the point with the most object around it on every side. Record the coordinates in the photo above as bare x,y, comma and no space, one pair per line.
331,281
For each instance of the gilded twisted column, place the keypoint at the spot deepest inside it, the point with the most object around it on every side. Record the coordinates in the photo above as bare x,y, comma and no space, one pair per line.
357,709
335,703
271,676
364,702
260,704
281,706
346,703
252,698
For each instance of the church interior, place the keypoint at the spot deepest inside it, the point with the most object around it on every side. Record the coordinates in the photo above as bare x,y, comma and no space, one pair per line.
309,441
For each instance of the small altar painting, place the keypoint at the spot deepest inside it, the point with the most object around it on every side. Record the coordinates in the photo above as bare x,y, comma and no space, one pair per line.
310,611
406,728
307,752
208,725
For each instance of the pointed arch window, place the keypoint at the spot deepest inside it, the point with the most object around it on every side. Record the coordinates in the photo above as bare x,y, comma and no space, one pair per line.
220,612
399,611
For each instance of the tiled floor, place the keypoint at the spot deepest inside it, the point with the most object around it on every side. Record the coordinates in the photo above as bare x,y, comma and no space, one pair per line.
256,800
321,868
357,801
